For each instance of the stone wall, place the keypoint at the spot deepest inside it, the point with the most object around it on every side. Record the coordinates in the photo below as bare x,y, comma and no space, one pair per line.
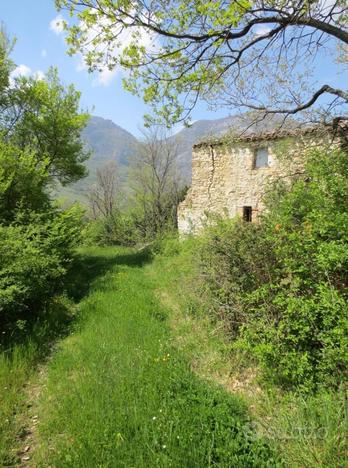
225,180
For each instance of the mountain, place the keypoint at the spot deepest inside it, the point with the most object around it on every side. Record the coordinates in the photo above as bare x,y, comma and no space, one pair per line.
107,142
110,142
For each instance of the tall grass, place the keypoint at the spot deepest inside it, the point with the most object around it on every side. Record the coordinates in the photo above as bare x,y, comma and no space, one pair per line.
307,430
118,393
141,380
31,344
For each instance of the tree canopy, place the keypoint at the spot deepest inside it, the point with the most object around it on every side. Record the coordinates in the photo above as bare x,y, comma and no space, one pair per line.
40,142
243,54
44,115
40,125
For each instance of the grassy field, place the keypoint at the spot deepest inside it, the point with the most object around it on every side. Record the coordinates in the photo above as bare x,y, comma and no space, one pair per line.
116,392
307,430
142,378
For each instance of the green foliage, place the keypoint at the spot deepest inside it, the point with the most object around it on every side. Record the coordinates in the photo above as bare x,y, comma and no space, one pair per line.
137,223
40,143
112,230
305,429
50,124
5,64
282,285
23,178
34,257
153,218
171,77
181,51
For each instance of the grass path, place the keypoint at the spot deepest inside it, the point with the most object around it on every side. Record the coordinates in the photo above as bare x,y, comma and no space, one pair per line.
117,393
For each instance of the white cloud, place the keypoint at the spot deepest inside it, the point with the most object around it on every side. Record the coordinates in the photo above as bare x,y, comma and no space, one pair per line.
39,75
262,30
57,25
44,53
21,70
24,70
105,77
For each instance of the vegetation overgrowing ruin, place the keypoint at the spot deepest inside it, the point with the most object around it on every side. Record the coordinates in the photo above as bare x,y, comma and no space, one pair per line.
156,324
232,174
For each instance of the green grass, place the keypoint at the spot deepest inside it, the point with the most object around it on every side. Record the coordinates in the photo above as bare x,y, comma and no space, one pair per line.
306,430
118,393
138,379
31,344
15,369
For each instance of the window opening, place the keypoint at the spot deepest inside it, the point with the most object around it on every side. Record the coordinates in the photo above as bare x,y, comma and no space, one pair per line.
247,213
261,158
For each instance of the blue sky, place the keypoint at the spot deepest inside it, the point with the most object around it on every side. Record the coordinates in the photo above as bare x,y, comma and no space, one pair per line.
40,45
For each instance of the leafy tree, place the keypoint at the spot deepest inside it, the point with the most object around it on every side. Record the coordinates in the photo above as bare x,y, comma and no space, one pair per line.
40,142
34,257
5,65
246,54
40,126
44,116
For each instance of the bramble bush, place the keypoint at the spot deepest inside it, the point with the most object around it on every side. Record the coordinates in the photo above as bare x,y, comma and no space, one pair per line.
282,284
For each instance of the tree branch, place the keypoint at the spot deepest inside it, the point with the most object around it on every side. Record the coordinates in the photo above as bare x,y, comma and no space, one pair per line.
324,89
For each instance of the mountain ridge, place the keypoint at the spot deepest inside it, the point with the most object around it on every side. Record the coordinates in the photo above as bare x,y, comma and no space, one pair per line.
108,141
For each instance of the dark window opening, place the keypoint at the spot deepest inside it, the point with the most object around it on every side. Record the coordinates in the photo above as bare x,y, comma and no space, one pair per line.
261,158
247,213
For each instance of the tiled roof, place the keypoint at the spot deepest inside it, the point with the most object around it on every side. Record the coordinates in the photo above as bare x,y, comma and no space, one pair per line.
338,129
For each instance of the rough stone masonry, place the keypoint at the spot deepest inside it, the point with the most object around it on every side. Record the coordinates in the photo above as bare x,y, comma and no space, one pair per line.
231,175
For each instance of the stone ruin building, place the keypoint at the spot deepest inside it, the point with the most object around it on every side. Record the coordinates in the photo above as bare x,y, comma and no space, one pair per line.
231,175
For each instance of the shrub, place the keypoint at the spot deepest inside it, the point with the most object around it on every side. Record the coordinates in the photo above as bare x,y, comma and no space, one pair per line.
233,263
23,178
34,257
112,230
283,284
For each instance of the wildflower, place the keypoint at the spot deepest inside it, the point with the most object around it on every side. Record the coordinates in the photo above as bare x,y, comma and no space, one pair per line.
154,418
